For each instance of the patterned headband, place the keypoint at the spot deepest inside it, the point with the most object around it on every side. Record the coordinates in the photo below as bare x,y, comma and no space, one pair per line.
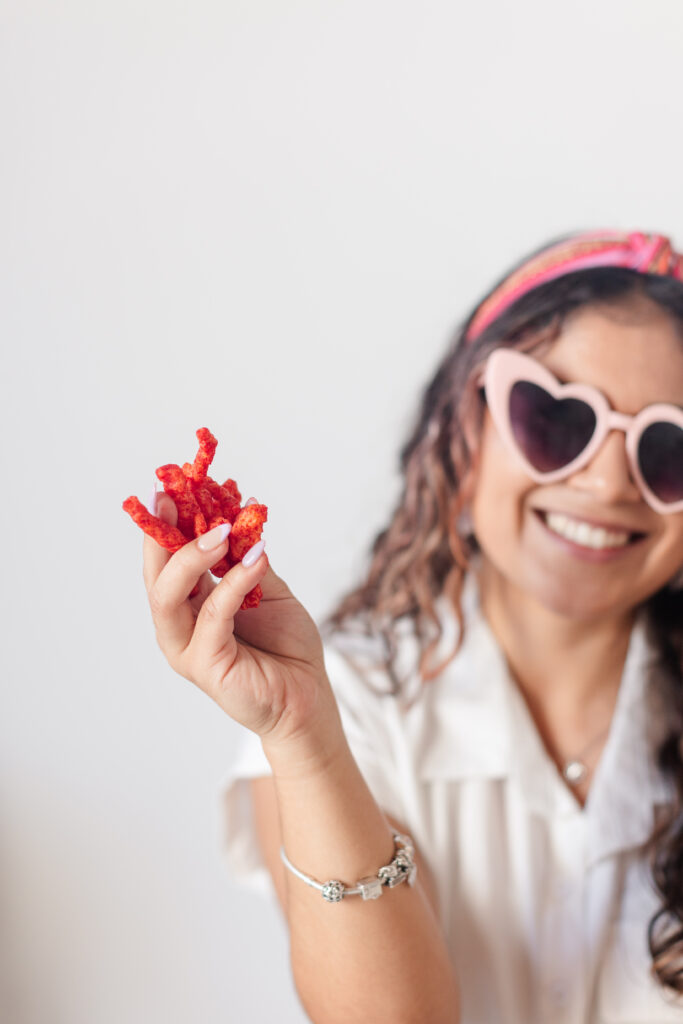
649,254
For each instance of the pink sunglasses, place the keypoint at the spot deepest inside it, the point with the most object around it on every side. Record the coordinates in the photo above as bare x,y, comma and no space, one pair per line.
555,428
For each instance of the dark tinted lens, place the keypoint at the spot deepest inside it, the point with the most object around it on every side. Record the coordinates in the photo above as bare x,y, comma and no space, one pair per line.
550,432
660,457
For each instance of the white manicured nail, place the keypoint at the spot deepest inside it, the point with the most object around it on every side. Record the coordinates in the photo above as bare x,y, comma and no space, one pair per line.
253,554
152,505
212,539
250,501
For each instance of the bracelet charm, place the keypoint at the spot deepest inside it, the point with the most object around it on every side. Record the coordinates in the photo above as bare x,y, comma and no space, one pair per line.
401,869
370,887
333,891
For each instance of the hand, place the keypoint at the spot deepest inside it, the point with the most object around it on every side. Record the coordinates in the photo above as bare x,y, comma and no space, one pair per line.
264,666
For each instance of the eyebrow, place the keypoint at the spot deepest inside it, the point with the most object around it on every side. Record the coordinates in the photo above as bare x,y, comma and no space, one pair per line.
566,380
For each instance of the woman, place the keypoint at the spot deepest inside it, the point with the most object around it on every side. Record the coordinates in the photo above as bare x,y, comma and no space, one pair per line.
496,719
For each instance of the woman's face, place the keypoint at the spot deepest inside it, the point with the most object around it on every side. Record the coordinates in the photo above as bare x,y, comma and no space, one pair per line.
634,355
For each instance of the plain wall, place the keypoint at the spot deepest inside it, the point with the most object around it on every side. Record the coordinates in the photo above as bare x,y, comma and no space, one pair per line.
265,218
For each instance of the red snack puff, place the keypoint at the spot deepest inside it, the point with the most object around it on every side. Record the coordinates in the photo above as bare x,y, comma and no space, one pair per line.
253,598
210,509
229,505
246,530
203,503
220,568
204,457
167,536
191,520
231,488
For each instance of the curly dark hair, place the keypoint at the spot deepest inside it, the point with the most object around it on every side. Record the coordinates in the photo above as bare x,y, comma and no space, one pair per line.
423,553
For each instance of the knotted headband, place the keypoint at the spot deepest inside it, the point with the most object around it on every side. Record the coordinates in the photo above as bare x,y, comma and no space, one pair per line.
646,253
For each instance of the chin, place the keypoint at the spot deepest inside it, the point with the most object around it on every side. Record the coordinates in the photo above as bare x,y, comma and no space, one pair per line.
581,603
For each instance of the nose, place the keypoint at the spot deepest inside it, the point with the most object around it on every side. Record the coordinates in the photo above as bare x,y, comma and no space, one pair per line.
608,475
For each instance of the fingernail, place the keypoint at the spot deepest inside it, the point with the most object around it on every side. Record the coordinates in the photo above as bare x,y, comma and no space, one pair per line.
250,501
214,537
152,504
253,554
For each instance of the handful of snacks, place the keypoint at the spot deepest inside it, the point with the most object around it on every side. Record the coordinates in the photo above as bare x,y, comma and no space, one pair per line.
203,503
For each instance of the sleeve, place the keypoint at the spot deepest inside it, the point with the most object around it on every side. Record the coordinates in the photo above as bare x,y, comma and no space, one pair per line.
239,844
367,721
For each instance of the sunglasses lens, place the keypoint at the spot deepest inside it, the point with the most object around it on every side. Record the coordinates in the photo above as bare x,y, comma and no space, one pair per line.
660,457
550,432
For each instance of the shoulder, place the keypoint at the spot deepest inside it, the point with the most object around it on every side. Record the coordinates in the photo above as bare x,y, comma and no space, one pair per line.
377,664
438,727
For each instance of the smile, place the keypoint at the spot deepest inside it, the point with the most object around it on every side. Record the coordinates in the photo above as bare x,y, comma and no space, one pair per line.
596,543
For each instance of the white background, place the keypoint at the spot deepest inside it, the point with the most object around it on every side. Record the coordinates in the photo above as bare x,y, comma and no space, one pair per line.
265,218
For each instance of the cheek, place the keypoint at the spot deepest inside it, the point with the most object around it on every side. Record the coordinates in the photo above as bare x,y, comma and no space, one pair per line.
500,493
672,539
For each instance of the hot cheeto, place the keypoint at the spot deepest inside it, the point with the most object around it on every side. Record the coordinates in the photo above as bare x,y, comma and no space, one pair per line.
202,503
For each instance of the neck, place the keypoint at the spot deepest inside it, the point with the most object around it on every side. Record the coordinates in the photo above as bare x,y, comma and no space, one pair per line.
567,669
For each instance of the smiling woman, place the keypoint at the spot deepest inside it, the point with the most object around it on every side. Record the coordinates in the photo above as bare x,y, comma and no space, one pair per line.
495,717
577,462
547,463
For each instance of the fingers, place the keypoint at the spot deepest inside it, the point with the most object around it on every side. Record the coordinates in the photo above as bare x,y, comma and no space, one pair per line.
170,578
154,556
265,628
173,615
214,628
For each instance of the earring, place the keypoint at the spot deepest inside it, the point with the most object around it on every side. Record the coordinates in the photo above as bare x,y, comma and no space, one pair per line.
464,524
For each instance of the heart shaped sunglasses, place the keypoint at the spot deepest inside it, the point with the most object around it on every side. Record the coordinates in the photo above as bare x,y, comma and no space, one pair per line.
555,428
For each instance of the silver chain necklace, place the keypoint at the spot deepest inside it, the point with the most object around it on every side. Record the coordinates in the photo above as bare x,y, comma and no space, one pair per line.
575,770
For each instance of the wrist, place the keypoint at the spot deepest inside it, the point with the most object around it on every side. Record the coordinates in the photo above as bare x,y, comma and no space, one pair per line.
314,747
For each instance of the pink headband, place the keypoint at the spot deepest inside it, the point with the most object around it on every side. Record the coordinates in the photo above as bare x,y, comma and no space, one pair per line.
649,254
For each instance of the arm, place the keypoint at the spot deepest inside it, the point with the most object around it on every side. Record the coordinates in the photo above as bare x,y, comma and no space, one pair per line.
354,962
269,835
375,961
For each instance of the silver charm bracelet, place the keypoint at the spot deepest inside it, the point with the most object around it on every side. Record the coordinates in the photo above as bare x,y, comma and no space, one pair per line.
401,869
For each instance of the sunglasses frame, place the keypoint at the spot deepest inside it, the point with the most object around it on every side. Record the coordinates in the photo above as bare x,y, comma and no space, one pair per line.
505,367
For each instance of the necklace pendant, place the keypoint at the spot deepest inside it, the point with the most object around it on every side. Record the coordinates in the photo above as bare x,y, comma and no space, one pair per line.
574,771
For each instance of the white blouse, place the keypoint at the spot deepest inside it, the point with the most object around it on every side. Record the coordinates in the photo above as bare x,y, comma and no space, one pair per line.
544,904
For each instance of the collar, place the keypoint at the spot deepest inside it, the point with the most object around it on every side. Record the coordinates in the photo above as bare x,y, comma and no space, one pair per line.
474,722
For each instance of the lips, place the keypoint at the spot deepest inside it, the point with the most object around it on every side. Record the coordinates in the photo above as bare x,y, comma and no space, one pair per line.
585,553
634,534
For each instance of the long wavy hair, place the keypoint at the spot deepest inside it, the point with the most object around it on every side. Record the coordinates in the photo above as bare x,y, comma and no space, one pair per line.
426,550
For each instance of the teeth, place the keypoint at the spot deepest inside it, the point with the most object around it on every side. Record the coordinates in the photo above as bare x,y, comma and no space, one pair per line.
582,533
